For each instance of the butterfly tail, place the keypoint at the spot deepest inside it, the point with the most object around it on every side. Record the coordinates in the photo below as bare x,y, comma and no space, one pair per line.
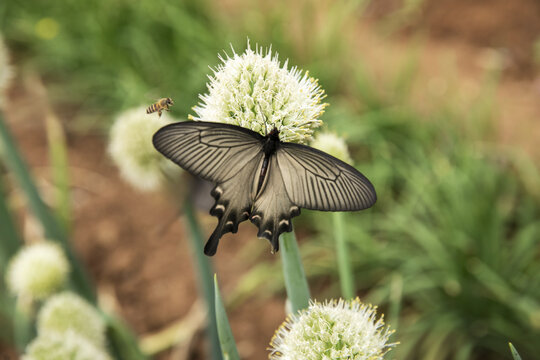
224,226
212,244
229,214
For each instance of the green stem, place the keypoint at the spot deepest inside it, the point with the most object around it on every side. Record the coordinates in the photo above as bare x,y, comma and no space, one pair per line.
53,230
204,269
226,338
295,279
346,277
24,330
395,299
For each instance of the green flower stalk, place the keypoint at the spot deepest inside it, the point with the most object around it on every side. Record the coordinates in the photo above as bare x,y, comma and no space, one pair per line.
63,346
130,146
336,146
67,312
332,330
37,271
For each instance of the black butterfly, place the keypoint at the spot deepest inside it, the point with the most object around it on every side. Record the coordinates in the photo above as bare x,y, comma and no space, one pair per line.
260,177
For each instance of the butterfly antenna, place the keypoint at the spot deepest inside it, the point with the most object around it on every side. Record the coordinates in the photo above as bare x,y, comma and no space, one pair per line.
264,118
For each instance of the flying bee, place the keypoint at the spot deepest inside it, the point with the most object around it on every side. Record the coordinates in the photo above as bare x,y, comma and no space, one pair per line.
162,104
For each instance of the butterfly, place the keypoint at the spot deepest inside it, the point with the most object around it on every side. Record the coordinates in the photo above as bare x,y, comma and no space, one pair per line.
261,178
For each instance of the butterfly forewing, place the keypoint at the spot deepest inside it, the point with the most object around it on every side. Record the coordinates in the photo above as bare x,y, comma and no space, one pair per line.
213,151
315,180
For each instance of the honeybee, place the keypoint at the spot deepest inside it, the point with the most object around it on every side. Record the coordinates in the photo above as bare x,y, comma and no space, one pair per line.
162,104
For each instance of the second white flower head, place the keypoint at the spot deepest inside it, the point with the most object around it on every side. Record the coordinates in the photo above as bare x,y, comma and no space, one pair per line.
255,91
332,330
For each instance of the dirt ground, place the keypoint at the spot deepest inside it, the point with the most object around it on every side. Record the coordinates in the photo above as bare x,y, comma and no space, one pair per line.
138,254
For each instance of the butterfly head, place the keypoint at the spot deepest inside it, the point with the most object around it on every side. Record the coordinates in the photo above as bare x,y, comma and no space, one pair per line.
271,141
274,134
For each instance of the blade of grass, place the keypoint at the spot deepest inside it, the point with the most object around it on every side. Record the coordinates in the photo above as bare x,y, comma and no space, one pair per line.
8,233
293,272
53,230
123,342
60,174
515,354
226,338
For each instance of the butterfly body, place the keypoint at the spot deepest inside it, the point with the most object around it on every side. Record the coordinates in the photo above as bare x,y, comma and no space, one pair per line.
269,148
261,178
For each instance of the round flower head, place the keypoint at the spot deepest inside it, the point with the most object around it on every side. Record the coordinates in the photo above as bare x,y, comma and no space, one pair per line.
63,346
333,330
332,144
37,271
130,146
66,312
255,91
5,70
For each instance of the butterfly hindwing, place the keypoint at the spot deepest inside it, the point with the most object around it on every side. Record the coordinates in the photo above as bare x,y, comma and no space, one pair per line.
233,203
317,181
272,209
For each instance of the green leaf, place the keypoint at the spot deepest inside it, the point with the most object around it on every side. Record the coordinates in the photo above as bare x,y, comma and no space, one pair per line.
226,338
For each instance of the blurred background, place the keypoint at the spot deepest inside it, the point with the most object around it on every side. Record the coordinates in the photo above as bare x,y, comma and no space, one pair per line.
438,100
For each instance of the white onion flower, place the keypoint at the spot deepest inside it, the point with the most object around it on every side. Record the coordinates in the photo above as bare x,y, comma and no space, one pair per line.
37,271
332,330
63,346
67,312
131,148
332,144
254,90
